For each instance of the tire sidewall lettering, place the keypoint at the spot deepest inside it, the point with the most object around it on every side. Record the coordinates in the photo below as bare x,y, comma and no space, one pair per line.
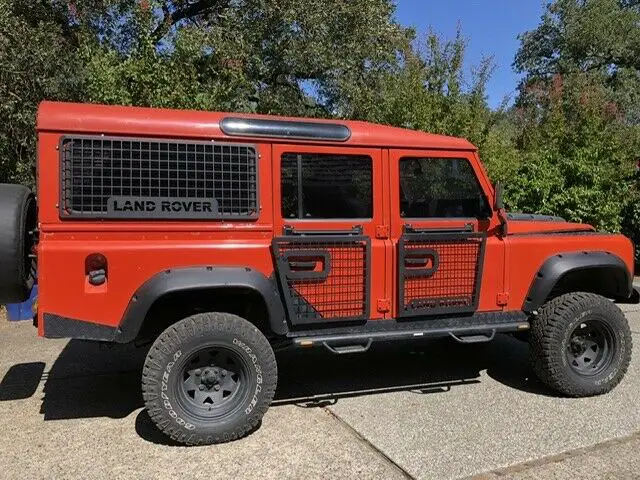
256,365
164,388
180,348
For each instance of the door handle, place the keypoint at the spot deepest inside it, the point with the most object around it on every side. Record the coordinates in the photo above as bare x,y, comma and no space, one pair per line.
303,265
416,261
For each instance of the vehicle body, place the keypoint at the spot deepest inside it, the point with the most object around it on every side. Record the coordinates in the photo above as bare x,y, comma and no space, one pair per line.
334,233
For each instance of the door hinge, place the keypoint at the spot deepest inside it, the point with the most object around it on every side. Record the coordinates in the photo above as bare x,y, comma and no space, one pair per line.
502,299
382,231
384,305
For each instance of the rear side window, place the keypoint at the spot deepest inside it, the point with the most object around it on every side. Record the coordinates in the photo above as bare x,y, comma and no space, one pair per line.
157,179
440,188
326,186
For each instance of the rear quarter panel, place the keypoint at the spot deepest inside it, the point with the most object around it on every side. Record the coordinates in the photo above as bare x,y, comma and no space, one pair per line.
135,250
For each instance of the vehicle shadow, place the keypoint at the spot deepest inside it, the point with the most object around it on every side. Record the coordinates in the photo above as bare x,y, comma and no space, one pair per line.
21,381
320,378
88,380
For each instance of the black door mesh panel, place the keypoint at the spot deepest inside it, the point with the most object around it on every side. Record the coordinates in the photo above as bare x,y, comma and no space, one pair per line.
95,169
439,273
324,279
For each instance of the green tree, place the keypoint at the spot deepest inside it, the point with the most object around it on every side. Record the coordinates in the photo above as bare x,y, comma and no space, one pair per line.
268,56
427,89
576,116
36,62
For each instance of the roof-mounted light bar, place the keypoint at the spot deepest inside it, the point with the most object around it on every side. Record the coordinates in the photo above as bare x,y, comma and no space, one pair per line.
249,127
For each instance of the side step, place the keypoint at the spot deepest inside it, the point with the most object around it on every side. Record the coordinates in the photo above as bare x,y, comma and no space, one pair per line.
358,339
342,349
474,338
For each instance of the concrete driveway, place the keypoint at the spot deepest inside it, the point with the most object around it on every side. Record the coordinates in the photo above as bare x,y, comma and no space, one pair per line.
71,409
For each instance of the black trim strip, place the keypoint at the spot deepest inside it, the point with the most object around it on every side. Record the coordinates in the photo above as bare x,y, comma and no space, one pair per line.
289,230
557,232
619,285
57,326
533,217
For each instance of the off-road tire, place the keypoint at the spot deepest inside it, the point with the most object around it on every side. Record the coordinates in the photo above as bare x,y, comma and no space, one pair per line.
551,332
17,219
166,364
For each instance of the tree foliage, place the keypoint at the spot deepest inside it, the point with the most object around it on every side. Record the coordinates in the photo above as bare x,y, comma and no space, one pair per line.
568,145
266,56
576,121
37,61
426,89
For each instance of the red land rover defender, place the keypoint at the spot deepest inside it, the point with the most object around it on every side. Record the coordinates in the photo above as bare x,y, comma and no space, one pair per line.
220,236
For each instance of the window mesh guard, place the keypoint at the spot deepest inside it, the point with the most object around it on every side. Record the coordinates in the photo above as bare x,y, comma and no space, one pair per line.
324,279
99,175
439,273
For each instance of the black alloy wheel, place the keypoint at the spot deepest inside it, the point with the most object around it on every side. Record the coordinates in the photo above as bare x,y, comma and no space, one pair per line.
590,348
215,382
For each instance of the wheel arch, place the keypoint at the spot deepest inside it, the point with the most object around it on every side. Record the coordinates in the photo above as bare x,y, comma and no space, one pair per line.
602,273
195,280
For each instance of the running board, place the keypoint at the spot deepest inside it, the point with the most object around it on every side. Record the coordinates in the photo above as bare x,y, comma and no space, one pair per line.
358,339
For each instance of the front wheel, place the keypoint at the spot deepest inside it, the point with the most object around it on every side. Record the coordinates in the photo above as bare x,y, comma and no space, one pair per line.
209,379
580,344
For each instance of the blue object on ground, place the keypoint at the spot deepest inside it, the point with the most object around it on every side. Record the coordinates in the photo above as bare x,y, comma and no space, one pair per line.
24,310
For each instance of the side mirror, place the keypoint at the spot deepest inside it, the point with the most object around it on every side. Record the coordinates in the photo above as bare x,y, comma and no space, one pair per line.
499,202
499,207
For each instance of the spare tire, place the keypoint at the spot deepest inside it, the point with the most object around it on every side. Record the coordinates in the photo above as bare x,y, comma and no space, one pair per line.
18,219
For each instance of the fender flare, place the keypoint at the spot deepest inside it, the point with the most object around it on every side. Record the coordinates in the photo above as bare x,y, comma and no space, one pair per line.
200,278
555,267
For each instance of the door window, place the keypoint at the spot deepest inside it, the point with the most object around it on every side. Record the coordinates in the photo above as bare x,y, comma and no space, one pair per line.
326,186
440,188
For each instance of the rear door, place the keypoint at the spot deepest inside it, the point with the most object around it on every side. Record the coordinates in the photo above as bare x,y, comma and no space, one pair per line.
443,229
327,203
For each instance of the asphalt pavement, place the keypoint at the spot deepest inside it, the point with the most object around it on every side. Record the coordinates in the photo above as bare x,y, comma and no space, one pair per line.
435,409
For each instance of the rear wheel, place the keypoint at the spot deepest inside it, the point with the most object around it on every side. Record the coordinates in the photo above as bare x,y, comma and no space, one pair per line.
17,223
580,344
209,379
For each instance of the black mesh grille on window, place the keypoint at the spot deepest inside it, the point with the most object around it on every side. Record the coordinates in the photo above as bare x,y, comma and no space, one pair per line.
102,174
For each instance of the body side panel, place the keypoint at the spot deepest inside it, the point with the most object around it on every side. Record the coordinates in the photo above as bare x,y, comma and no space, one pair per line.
135,250
132,259
528,252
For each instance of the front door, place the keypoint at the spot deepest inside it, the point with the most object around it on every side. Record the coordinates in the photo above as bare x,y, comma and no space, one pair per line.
327,203
443,229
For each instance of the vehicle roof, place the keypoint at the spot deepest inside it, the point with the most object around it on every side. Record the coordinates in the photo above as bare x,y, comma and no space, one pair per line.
82,118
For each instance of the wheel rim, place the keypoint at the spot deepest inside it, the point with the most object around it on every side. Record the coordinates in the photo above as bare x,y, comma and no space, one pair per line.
591,348
213,382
